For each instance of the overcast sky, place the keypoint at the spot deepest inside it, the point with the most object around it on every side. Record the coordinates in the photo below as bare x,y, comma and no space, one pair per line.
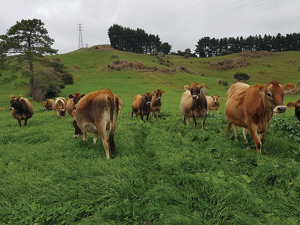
181,23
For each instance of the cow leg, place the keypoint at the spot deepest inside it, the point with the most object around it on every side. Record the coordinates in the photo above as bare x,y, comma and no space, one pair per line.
142,117
131,113
235,131
195,122
245,134
147,116
103,137
25,122
95,138
203,120
84,137
20,124
186,120
228,128
255,138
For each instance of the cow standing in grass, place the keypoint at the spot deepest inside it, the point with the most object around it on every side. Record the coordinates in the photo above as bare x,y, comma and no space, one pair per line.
72,102
60,106
96,113
141,105
193,104
213,103
48,104
295,105
156,103
21,109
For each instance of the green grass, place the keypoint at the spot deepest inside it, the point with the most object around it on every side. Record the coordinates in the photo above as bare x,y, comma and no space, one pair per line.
163,172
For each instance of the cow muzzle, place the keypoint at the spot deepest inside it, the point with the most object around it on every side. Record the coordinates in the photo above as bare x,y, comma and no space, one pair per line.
279,109
195,97
11,108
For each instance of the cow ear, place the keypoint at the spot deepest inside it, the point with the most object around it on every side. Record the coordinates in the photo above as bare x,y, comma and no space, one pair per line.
162,91
70,96
186,87
261,89
12,96
290,105
288,87
20,96
202,85
154,92
82,95
143,95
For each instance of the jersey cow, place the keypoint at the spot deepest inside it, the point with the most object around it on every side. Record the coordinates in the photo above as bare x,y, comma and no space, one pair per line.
21,109
60,106
295,105
141,105
213,103
72,102
48,104
193,104
96,113
155,104
252,107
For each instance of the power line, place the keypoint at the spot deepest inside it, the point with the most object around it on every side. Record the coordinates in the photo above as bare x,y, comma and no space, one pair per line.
80,40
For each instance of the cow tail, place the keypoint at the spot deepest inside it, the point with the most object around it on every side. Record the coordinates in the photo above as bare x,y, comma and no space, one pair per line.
114,107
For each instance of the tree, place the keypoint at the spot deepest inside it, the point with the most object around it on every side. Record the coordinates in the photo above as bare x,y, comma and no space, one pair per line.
28,40
166,48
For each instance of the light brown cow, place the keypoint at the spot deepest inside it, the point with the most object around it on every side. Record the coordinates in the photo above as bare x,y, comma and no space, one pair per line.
72,102
295,105
48,104
21,109
96,113
156,103
141,105
213,103
60,106
252,107
193,104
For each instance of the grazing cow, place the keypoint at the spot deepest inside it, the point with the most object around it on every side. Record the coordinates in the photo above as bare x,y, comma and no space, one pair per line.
252,107
60,106
72,102
96,113
295,105
141,105
48,104
155,104
213,103
21,109
193,104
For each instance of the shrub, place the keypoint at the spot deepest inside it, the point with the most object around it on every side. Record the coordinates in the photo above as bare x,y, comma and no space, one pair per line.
231,63
241,76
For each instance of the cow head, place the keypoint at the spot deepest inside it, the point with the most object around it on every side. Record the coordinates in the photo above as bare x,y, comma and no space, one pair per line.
147,97
47,104
215,98
76,97
16,103
195,90
273,94
158,94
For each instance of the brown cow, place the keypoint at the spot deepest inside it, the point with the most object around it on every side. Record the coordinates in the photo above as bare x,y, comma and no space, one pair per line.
213,103
295,105
60,106
48,104
252,107
96,113
21,109
193,104
141,105
72,102
156,103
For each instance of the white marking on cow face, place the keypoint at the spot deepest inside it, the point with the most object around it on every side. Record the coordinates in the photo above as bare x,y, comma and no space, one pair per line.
279,109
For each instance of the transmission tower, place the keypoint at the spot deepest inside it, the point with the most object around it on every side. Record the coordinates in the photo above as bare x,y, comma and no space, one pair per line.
80,40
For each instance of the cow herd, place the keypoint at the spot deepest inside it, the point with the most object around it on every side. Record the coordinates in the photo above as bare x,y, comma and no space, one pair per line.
248,106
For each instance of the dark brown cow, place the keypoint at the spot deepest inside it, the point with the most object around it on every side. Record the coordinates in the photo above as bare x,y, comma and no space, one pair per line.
60,106
252,107
141,105
48,104
213,103
295,105
21,109
193,104
72,102
156,103
96,113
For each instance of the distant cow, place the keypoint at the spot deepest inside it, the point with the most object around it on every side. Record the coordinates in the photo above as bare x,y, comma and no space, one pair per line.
96,113
156,103
60,106
48,104
21,109
141,105
252,107
213,103
295,105
72,102
193,104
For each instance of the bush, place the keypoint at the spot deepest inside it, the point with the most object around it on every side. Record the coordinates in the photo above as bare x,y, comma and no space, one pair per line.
241,76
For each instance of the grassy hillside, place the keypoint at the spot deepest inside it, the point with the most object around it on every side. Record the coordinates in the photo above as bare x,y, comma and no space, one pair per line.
163,172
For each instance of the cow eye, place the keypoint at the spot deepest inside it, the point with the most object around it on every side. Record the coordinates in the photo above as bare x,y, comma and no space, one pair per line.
269,94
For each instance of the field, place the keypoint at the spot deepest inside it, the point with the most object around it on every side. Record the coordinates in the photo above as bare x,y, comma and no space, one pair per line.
163,172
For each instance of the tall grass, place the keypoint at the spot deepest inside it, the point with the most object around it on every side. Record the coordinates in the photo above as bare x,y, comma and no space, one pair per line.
163,172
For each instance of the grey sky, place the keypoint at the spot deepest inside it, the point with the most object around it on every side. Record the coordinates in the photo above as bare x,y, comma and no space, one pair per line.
180,23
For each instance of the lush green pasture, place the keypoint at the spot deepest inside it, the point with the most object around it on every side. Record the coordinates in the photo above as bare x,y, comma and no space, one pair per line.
163,172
